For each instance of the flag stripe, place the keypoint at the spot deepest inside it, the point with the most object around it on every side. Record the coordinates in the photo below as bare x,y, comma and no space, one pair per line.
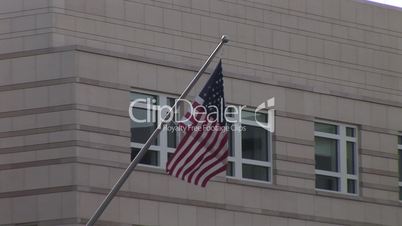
186,147
192,168
179,149
204,173
221,169
194,150
207,163
196,170
177,152
200,154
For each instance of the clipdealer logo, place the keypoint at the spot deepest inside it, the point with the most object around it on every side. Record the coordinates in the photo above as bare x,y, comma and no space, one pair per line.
269,107
230,113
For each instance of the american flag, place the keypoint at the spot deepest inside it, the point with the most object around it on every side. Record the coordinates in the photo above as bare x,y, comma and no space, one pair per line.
203,150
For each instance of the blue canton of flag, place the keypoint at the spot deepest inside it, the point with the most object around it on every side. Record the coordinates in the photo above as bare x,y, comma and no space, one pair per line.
212,94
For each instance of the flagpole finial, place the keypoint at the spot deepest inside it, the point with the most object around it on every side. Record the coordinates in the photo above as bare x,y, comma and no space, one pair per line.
225,39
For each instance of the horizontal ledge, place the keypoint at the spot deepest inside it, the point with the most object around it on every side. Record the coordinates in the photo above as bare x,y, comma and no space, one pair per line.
64,144
294,159
293,140
379,154
381,187
195,68
294,174
66,107
65,127
379,172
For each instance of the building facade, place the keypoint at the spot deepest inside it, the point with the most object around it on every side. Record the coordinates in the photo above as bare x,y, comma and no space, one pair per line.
70,68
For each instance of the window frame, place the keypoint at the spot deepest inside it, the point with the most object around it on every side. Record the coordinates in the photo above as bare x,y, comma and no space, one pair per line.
342,173
162,146
238,160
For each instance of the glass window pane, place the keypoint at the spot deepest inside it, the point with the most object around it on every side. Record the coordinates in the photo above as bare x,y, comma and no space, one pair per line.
400,140
400,193
350,132
351,186
231,110
141,131
169,155
326,154
325,128
145,97
150,158
326,182
230,171
255,143
252,116
171,135
400,165
255,172
350,148
171,132
230,140
170,101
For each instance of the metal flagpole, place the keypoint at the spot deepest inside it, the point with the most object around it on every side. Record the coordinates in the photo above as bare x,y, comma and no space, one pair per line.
144,149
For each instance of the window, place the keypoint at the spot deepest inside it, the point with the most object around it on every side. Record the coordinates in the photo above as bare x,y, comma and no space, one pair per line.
140,131
249,148
249,144
336,157
400,166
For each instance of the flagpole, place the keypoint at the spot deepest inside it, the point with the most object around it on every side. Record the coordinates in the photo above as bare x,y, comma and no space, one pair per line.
144,149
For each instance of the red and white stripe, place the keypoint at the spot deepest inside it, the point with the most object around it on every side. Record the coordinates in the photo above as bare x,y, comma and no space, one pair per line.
201,153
